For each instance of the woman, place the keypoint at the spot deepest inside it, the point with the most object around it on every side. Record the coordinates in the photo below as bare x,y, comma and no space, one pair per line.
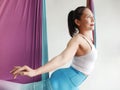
80,49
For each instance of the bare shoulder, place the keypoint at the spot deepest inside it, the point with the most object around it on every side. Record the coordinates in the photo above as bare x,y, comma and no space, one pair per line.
76,39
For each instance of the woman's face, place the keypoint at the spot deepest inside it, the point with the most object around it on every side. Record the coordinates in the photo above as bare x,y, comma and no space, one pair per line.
87,20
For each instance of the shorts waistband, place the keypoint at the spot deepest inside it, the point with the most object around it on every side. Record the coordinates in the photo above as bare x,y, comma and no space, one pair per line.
78,71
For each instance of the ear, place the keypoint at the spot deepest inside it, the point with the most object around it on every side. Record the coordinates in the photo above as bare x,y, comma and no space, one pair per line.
77,22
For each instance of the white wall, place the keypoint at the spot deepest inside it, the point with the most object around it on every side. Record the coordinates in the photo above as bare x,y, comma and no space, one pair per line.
106,75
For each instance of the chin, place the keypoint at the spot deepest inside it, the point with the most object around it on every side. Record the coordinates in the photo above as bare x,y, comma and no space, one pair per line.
92,29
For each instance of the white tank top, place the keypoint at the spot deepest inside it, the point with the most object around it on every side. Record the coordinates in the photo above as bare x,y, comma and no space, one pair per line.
85,63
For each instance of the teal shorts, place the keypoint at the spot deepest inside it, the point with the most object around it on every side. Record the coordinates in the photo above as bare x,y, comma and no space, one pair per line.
67,79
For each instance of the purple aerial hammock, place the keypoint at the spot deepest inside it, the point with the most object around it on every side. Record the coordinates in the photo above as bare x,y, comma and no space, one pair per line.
90,5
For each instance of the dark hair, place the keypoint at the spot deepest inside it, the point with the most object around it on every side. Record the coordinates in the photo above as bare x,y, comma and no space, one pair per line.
74,14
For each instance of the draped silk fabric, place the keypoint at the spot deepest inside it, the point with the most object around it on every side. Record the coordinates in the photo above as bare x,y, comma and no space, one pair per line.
23,41
20,37
91,4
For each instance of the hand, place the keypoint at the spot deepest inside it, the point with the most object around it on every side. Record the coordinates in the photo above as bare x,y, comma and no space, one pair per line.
24,70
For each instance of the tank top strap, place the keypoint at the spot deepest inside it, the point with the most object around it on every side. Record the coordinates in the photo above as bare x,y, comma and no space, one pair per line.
88,41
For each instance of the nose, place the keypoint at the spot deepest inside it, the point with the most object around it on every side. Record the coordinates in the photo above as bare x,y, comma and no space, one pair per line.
92,19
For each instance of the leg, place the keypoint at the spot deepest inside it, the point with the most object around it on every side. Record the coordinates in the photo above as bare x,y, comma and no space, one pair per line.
67,79
59,81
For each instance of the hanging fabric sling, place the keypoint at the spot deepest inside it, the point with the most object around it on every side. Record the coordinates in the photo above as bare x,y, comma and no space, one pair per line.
23,41
90,4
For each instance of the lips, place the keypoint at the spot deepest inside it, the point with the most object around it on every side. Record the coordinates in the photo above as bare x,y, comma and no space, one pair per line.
91,24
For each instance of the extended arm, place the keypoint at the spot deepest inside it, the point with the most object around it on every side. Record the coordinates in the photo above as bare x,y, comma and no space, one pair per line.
54,63
62,58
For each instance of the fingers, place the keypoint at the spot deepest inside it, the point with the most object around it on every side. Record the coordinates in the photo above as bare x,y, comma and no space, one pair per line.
18,70
14,69
15,76
21,73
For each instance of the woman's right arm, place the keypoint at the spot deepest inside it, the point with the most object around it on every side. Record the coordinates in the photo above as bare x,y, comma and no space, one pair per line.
54,63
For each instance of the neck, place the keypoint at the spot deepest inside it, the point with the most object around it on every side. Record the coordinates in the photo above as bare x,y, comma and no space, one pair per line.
87,34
